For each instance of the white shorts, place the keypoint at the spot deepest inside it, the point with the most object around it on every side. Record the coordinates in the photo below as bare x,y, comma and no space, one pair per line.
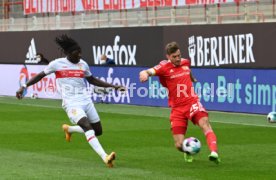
76,112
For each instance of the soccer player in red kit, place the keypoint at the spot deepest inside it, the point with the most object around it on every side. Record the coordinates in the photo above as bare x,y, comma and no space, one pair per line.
175,74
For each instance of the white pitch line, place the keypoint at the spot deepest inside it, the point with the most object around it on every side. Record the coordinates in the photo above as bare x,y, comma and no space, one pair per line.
229,112
33,105
237,113
245,124
54,107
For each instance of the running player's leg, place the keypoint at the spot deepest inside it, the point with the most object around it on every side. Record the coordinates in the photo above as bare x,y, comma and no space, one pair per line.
179,127
211,138
97,128
72,112
94,119
78,116
95,122
94,142
201,119
68,130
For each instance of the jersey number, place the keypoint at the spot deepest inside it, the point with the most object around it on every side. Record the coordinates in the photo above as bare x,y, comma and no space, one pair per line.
196,107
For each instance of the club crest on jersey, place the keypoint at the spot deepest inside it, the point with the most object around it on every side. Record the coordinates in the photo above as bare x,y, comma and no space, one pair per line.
74,112
80,66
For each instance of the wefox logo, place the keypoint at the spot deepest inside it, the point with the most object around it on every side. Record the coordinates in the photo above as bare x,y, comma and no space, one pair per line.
222,50
31,54
114,96
121,54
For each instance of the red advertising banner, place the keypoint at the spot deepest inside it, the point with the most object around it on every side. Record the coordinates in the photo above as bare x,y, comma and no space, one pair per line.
45,6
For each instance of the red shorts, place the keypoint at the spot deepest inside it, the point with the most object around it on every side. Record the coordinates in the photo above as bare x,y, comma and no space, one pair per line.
181,114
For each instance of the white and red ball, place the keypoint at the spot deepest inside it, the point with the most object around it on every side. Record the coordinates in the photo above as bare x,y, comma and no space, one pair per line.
34,95
271,117
191,145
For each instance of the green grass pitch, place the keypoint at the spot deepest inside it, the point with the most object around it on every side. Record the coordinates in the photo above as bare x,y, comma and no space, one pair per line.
32,145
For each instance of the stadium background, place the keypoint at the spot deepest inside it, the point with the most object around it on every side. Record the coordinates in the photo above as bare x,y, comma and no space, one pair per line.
239,54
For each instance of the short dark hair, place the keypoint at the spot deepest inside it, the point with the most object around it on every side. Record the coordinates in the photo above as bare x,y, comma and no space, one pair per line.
67,44
171,47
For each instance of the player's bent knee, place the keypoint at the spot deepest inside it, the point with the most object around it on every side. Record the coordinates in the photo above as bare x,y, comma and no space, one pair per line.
97,127
98,132
204,123
84,124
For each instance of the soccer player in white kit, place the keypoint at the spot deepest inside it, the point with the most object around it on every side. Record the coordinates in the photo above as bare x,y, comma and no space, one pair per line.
71,72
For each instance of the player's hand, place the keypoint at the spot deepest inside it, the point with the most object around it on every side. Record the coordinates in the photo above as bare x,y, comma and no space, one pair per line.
19,93
143,76
120,88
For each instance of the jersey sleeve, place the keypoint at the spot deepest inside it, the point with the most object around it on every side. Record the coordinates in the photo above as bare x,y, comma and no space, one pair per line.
50,68
87,71
159,69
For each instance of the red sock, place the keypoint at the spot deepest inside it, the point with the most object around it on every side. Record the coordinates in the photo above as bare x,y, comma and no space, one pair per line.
211,140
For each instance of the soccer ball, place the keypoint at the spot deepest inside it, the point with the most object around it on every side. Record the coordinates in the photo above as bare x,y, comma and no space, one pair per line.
34,96
271,117
191,145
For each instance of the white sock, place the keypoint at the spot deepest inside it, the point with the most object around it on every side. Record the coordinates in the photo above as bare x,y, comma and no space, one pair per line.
77,129
95,144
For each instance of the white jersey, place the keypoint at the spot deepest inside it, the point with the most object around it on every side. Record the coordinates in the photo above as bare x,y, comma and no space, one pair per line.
70,81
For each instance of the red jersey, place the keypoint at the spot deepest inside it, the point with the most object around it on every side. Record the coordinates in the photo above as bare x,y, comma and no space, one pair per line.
178,82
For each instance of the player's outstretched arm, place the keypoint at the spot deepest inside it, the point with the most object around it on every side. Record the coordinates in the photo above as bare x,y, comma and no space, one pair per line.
144,75
33,80
100,83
